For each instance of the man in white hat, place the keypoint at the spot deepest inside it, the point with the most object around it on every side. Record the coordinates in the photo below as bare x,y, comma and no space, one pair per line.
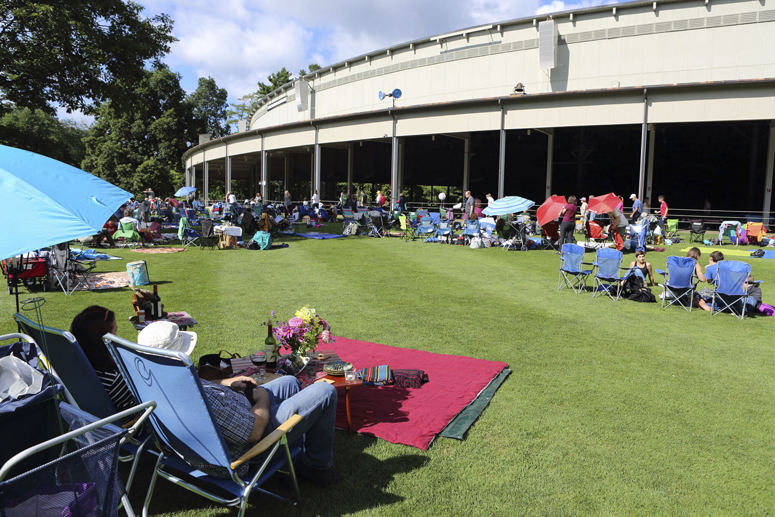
637,208
246,413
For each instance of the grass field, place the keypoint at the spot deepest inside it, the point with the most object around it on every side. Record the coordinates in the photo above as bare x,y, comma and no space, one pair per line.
611,409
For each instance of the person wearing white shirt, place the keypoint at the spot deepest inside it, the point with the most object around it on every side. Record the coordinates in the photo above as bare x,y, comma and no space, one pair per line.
128,213
231,199
315,198
490,200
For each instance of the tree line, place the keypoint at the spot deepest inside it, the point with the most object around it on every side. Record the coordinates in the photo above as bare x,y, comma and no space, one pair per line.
104,58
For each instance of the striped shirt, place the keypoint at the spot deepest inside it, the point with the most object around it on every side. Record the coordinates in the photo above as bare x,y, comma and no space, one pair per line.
117,389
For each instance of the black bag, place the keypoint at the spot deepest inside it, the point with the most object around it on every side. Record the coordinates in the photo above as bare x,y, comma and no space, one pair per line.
758,253
253,245
636,290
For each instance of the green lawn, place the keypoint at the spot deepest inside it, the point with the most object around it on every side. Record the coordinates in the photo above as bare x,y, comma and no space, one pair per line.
612,408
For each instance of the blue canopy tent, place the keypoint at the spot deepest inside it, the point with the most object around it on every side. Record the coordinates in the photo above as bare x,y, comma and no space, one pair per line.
47,202
508,205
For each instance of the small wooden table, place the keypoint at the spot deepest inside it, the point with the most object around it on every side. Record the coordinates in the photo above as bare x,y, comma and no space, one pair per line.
340,382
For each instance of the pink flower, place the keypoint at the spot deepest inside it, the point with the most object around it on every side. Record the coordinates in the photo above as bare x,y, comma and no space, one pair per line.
296,322
327,337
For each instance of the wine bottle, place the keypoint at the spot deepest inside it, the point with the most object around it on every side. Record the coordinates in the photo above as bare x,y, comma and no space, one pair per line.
156,312
270,347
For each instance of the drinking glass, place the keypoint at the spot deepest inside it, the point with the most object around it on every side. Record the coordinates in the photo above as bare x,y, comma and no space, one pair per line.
261,373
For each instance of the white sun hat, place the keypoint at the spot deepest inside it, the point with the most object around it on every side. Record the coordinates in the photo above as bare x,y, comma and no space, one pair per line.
168,336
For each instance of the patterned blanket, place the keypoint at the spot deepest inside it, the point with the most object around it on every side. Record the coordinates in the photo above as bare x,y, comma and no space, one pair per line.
153,251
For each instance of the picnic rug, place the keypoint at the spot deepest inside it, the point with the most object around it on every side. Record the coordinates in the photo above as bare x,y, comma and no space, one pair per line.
111,280
320,236
768,254
412,416
153,251
728,251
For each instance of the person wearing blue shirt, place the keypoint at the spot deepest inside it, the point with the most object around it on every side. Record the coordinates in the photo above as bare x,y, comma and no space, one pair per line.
637,208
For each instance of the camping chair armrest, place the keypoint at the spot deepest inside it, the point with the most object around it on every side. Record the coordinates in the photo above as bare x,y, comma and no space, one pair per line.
661,272
267,442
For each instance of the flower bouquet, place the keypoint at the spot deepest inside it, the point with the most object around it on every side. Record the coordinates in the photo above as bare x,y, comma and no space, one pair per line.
302,333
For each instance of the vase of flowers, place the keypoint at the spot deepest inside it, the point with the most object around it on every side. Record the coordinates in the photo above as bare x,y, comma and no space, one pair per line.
302,333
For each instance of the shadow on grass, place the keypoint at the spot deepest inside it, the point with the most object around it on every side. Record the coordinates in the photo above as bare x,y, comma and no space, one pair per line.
364,486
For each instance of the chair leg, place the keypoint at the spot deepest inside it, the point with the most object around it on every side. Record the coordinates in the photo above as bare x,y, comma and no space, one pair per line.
152,485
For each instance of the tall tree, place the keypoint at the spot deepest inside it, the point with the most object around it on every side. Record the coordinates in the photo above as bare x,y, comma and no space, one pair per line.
39,132
74,52
141,148
240,110
208,106
276,80
313,67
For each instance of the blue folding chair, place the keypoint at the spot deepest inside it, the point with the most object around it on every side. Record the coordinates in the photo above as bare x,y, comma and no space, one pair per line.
184,427
731,291
426,230
680,282
348,216
470,231
638,237
444,232
607,276
571,273
435,217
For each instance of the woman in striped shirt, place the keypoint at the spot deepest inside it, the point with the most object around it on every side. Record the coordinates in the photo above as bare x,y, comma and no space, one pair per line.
88,327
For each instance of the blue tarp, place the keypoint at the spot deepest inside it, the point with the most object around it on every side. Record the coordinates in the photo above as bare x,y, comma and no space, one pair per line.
320,236
47,202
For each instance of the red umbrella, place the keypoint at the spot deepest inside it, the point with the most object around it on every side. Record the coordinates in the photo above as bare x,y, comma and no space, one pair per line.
551,209
604,204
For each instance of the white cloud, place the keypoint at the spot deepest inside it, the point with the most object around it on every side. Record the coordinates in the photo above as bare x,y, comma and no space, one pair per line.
76,116
240,42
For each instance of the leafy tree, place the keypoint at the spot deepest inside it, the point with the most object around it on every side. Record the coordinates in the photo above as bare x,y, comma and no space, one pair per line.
208,106
74,52
240,110
276,80
39,132
141,148
313,67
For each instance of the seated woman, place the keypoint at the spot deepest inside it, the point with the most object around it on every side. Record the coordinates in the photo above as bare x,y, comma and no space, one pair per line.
88,327
155,226
266,223
644,267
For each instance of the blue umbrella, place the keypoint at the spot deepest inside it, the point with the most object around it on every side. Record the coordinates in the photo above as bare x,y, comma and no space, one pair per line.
184,191
508,205
47,202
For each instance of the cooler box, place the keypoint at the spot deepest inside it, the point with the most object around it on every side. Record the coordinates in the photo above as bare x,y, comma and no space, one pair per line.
138,273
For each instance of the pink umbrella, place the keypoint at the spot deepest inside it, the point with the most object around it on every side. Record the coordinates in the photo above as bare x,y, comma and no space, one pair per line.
551,209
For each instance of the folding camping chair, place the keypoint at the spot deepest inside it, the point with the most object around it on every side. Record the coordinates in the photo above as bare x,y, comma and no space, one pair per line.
84,389
550,234
520,240
170,379
470,230
671,229
83,480
571,274
697,231
127,232
371,228
67,273
607,277
426,230
680,282
187,236
756,232
407,230
638,237
207,237
444,232
731,292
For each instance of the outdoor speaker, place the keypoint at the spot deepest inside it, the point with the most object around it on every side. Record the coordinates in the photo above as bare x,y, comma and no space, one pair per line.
396,93
547,44
301,89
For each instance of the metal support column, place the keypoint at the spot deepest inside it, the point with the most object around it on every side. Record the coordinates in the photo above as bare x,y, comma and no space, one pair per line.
394,164
650,164
264,181
466,162
643,135
400,166
228,170
350,153
316,185
549,162
286,171
768,175
502,156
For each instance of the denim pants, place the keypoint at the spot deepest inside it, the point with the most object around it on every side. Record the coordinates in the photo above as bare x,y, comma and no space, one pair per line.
316,405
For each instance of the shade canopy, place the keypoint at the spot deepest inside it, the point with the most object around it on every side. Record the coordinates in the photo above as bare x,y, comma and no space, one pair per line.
184,191
550,209
47,202
508,205
603,204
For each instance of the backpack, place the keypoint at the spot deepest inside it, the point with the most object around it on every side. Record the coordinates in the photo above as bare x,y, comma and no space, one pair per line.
350,229
638,292
758,253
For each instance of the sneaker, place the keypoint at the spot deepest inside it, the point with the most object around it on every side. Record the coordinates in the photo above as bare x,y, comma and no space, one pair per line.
318,477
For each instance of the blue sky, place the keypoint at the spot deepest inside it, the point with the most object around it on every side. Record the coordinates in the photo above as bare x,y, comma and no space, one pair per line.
241,42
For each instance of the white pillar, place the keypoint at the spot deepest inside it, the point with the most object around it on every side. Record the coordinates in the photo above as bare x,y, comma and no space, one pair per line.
650,164
466,162
643,136
264,174
394,167
502,157
228,170
400,166
549,162
350,153
768,176
206,183
316,181
286,170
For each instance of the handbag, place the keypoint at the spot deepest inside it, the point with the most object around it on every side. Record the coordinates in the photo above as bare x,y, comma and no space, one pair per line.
214,367
377,375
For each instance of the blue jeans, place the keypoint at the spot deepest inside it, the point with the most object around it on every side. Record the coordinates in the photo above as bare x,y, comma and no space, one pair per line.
317,405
